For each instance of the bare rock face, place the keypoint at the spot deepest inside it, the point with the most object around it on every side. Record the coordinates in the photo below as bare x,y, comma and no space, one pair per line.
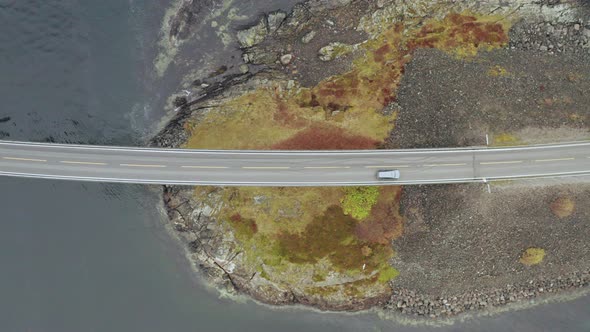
253,35
275,20
182,22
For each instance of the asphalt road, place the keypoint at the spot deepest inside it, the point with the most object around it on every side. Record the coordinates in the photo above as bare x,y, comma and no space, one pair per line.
286,168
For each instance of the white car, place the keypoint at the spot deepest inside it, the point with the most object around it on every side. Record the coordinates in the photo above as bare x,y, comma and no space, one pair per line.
391,174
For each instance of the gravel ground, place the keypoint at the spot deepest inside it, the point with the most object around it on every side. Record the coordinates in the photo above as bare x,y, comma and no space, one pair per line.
462,244
446,102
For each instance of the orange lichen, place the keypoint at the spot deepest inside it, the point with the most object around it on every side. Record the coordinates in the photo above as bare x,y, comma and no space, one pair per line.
462,34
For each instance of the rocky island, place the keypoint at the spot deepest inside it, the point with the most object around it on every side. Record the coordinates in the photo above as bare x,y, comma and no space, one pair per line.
360,74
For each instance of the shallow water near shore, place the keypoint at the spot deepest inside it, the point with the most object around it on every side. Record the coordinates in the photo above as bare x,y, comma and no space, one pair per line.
97,257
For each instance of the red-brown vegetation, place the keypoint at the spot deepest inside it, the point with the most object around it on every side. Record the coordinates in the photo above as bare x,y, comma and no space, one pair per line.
458,30
284,116
326,137
329,235
384,223
243,227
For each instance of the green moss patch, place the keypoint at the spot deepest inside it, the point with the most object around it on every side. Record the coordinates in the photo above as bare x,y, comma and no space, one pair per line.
358,201
387,274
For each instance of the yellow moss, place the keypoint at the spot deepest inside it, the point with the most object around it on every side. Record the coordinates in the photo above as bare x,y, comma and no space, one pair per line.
319,277
576,117
532,256
262,118
245,122
280,209
574,77
563,207
387,274
505,139
498,71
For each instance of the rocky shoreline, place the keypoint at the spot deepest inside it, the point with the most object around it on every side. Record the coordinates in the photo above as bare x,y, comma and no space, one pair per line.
269,43
408,302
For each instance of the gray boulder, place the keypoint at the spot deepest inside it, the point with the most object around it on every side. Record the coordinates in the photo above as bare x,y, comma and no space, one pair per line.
253,35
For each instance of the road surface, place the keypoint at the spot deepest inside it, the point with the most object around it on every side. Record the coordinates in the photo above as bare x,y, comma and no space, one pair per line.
285,168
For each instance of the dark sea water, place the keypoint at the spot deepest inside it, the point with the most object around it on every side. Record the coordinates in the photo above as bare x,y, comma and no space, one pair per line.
96,257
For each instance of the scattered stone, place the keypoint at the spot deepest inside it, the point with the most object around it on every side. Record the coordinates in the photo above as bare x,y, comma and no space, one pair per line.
310,35
244,68
290,84
564,37
286,59
410,303
259,56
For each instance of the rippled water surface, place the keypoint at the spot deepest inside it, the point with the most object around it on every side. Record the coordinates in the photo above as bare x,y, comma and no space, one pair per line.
96,257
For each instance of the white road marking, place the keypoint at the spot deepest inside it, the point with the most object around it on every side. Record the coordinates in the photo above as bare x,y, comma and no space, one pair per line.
445,165
265,167
205,167
82,163
558,159
327,167
501,162
390,166
25,159
142,165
